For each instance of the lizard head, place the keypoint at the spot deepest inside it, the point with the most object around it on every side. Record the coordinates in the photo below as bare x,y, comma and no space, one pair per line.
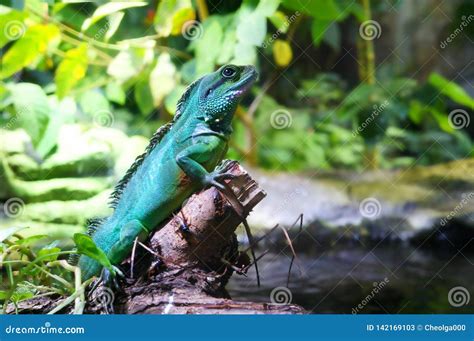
221,91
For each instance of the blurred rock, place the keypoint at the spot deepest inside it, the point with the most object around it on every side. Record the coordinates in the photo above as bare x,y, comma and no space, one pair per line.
378,205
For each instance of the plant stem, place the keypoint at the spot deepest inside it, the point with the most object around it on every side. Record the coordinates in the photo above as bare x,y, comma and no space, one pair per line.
247,121
369,48
202,9
360,56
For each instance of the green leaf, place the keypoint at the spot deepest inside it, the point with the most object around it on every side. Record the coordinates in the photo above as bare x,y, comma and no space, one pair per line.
61,112
318,30
162,78
93,102
21,295
169,15
244,54
267,7
228,46
31,240
107,9
451,89
252,28
208,46
8,232
180,18
115,93
33,110
24,51
333,36
86,246
279,20
12,26
173,97
416,113
319,9
114,23
49,254
143,95
442,120
71,69
129,63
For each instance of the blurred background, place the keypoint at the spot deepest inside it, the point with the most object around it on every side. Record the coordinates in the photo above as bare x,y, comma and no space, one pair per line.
359,128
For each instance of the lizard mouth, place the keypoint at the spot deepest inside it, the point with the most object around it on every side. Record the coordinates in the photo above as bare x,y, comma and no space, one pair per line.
245,82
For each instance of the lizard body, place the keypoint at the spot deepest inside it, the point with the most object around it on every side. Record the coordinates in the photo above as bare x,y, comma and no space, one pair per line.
180,160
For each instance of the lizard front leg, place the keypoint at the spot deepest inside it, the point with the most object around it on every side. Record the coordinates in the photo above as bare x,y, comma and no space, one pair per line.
192,159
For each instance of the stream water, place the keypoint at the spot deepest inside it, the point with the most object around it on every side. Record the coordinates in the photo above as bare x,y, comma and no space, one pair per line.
383,278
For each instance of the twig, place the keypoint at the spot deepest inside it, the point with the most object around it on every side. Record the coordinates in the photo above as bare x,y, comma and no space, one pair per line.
293,257
255,259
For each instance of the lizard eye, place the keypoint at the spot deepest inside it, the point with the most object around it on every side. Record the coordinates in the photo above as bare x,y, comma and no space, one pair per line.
228,72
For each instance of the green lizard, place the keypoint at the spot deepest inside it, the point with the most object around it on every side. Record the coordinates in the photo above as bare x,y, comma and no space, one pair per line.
180,160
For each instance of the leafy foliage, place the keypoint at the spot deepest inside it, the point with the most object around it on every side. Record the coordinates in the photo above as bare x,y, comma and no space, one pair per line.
132,61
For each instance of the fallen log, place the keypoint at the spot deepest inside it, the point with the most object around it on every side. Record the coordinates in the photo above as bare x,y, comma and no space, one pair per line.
185,265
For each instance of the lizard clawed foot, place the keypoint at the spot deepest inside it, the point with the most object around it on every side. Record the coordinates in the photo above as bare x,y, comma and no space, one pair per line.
216,178
109,278
102,291
224,176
